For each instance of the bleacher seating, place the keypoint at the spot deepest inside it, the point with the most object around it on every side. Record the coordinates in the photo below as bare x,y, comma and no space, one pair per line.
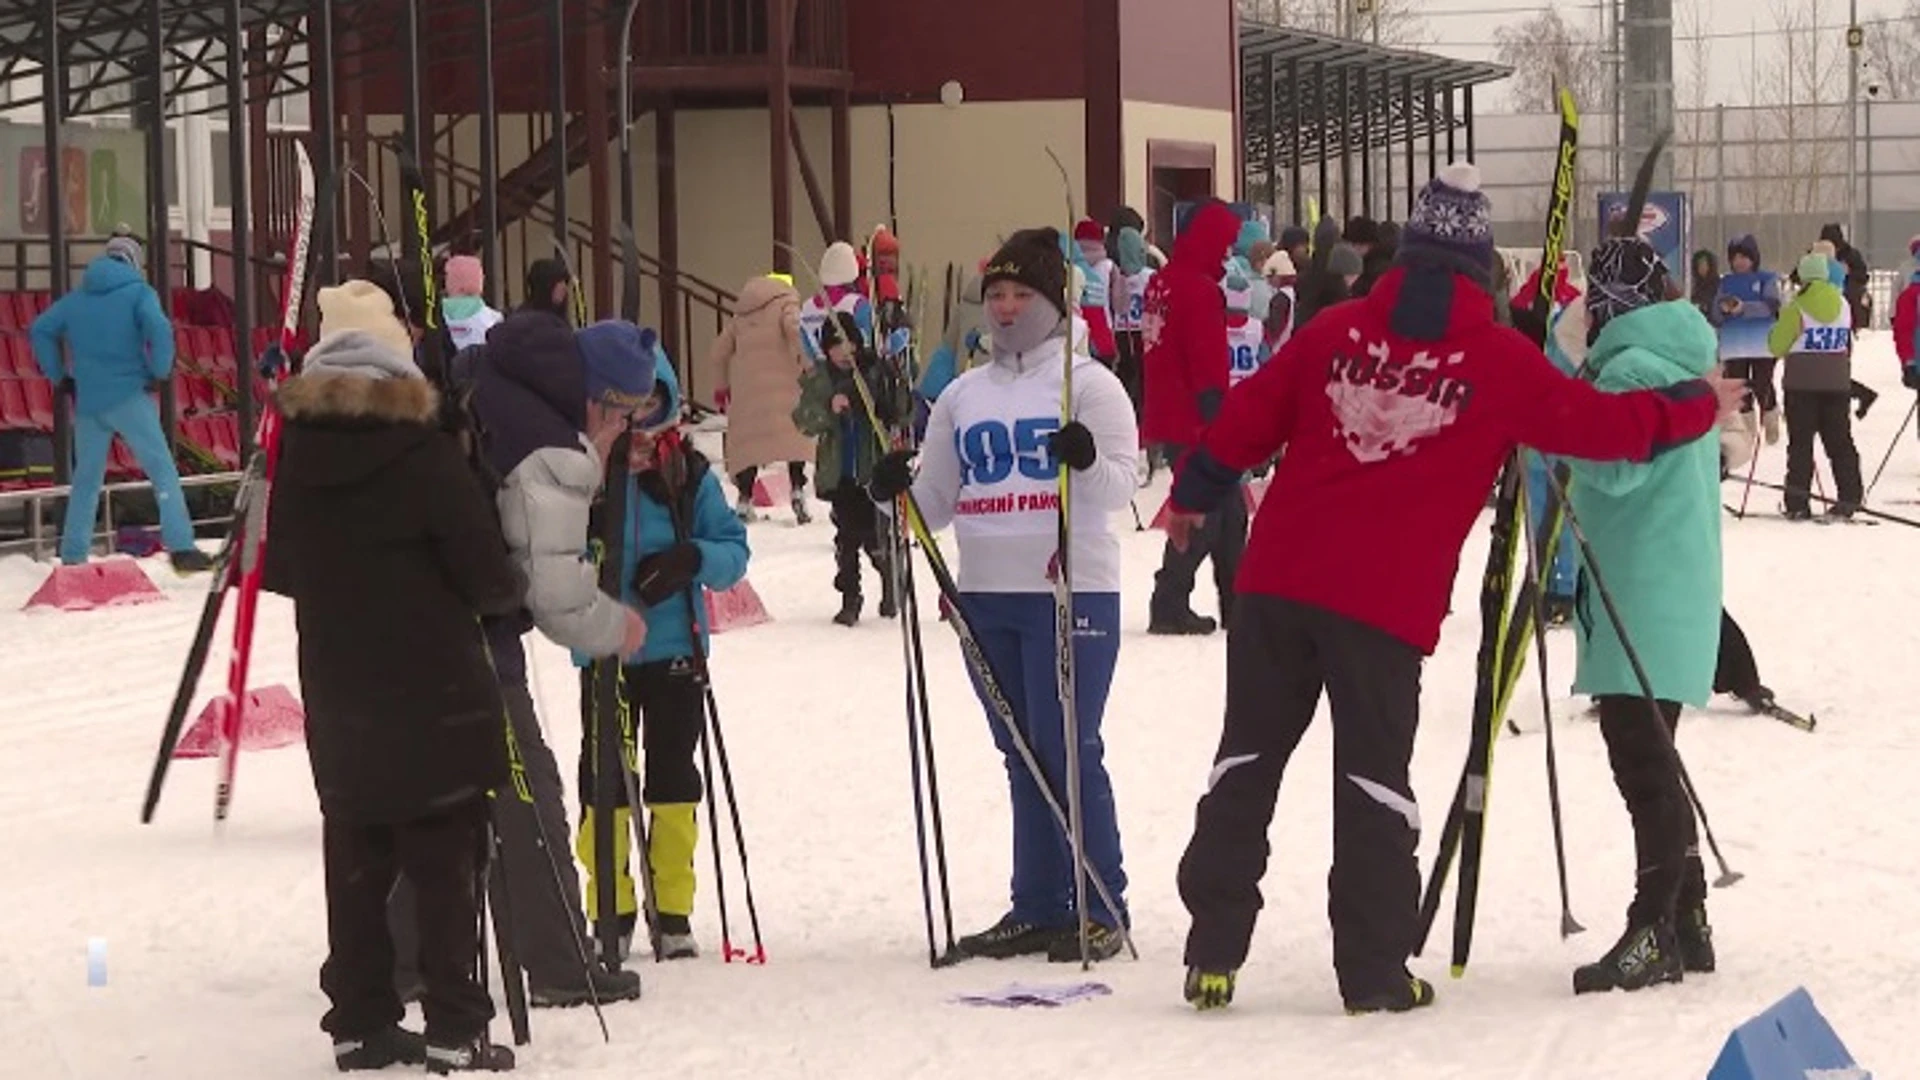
206,382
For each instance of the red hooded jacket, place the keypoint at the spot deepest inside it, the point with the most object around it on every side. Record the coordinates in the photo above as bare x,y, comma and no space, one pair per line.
1906,324
1184,326
1393,441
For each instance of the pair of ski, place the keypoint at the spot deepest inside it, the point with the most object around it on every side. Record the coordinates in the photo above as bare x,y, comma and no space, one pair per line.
239,566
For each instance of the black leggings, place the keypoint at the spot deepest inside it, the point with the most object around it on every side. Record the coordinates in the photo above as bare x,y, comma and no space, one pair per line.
796,478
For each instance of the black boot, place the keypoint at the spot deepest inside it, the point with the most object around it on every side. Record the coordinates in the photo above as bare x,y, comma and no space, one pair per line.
850,604
476,1056
889,600
1866,396
1695,938
1181,624
1644,956
607,987
1416,993
392,1046
1009,938
1103,943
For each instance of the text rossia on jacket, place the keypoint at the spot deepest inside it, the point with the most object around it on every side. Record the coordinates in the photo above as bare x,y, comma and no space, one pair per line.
1376,421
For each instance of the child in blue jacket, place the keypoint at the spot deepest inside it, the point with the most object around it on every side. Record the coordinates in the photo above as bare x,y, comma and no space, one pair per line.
680,533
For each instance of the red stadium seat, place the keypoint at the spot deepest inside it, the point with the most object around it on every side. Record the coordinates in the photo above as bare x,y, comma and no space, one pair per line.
15,415
40,402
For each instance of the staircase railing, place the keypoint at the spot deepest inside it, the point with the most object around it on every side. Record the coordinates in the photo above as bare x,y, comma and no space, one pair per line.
702,307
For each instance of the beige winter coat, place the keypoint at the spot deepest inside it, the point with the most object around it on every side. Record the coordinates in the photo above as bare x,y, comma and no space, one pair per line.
759,361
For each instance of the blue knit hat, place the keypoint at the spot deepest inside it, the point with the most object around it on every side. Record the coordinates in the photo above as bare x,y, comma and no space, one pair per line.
1452,224
619,360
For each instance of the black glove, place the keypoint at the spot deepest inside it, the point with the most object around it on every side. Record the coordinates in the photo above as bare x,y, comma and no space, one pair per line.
892,475
1073,445
666,574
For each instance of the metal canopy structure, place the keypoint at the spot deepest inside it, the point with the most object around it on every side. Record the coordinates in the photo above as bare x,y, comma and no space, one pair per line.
1309,99
107,45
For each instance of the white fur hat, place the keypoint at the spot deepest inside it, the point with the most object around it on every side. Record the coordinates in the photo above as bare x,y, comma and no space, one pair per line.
364,306
839,266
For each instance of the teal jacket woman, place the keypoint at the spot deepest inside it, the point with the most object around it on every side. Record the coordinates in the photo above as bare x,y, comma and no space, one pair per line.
1655,525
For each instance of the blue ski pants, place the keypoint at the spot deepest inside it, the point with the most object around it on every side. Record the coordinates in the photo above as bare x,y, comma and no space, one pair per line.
137,420
1016,632
1561,580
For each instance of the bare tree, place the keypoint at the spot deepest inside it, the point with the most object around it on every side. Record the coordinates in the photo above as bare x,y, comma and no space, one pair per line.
1798,145
1547,52
1399,20
1893,53
1693,115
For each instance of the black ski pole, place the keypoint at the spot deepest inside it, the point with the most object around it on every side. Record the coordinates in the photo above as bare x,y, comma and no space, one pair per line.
920,752
1569,926
933,774
1897,436
1820,498
1727,874
513,981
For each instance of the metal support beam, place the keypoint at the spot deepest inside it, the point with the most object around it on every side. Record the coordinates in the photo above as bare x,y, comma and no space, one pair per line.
779,122
489,159
1346,144
1467,106
412,108
159,227
242,234
599,170
1269,130
842,152
557,104
1320,103
671,323
624,80
323,108
1365,105
1406,102
1294,120
811,181
1433,132
1453,153
53,107
1386,148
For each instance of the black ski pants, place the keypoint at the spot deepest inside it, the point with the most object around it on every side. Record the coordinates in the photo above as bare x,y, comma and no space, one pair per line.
1222,537
856,529
1827,416
670,700
1758,375
1736,671
441,857
535,839
1280,656
1131,367
1666,850
796,478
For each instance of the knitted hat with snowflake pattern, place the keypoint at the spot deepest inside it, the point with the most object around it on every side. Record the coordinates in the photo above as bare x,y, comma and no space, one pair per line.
1452,224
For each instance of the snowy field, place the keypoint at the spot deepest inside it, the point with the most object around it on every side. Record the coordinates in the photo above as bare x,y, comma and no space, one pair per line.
214,941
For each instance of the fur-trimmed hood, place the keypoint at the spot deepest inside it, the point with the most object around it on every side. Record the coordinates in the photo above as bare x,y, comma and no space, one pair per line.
352,413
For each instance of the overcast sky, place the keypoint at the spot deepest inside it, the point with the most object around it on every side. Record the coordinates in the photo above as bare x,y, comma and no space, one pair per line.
1465,28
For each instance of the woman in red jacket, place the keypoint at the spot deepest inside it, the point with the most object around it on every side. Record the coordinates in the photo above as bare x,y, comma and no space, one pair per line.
1395,413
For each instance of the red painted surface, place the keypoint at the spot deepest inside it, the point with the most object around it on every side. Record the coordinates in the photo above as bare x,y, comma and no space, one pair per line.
1178,52
999,50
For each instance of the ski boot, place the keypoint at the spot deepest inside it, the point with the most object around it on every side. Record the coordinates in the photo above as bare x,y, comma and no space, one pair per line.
1695,938
1798,514
1417,993
1866,396
1103,943
1759,699
1181,624
1842,511
1644,956
743,508
394,1045
1208,990
676,938
476,1056
850,605
1009,938
606,987
801,514
190,561
889,600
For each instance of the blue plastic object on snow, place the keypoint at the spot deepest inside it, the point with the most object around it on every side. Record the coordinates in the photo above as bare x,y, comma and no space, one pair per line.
1790,1041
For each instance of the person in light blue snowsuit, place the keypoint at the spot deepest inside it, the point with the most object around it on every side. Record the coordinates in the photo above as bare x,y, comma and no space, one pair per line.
121,345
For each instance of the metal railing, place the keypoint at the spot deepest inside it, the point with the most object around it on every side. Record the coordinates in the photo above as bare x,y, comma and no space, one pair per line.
32,503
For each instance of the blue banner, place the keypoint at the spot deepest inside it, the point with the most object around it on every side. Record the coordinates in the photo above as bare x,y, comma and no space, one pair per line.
1666,223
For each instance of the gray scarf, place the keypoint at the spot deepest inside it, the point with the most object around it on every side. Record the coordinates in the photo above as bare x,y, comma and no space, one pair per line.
1034,327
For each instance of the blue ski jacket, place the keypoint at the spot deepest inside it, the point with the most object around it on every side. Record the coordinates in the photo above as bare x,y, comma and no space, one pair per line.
118,336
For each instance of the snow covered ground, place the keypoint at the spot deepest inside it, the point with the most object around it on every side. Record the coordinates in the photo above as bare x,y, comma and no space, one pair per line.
213,941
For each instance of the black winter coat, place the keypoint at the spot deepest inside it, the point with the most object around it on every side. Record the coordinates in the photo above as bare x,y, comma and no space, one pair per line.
390,551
